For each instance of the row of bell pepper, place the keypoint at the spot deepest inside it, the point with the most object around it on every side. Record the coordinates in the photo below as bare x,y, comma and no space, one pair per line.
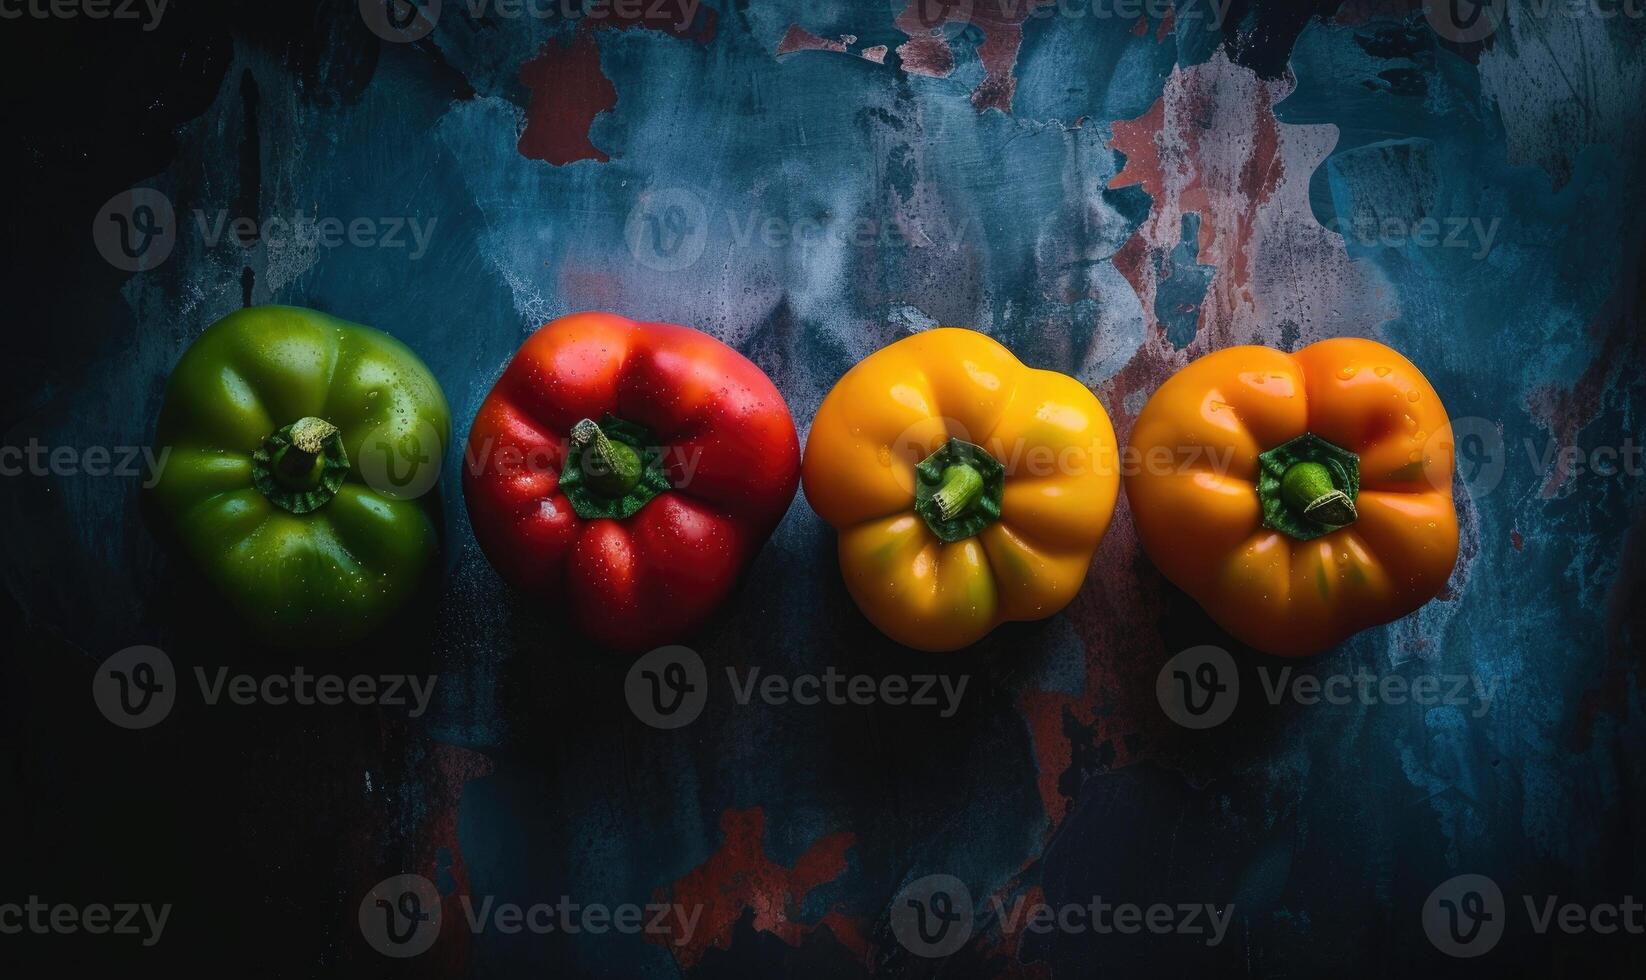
629,472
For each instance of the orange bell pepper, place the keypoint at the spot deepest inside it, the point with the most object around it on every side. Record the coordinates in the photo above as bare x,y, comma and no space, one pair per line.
1300,498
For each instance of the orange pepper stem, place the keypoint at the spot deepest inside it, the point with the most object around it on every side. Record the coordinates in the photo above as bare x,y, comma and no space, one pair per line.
611,468
962,485
1308,489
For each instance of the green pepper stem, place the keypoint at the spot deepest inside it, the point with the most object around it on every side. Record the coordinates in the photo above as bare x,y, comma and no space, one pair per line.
611,468
301,466
1307,488
295,466
961,486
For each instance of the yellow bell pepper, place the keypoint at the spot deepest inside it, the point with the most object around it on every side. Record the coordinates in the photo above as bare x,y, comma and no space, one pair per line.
1300,498
967,489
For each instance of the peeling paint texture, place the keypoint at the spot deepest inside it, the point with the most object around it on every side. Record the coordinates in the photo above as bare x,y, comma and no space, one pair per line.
1109,196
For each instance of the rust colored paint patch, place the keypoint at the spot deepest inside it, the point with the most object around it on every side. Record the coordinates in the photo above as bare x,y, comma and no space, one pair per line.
926,55
800,39
1210,146
568,90
1080,733
741,876
928,52
998,52
438,842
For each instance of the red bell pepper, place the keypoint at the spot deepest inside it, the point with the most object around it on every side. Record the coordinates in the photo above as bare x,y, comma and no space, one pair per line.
628,472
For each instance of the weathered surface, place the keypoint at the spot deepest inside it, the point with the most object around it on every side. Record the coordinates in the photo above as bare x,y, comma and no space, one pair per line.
1110,197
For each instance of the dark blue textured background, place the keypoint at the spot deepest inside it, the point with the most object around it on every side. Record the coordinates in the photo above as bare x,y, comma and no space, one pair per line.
1108,197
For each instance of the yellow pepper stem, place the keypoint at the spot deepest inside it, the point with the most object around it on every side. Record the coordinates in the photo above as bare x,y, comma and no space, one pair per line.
962,485
1308,489
958,490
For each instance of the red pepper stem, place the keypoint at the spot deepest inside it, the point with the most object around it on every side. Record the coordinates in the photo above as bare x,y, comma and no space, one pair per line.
297,465
961,486
1308,489
611,468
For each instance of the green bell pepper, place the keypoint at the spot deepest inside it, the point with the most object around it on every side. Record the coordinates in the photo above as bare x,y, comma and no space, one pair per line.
300,452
